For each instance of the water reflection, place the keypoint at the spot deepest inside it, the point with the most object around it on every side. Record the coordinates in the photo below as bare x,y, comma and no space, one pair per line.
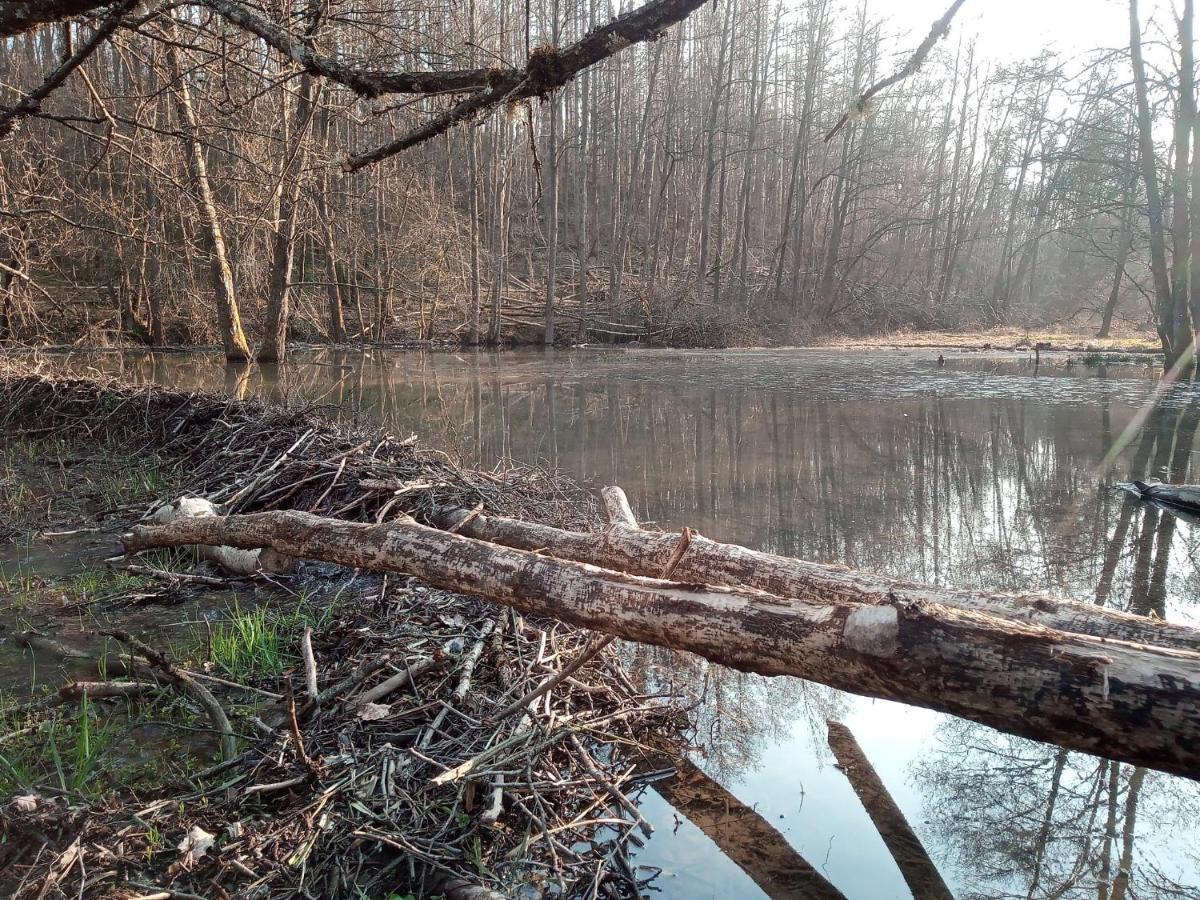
978,474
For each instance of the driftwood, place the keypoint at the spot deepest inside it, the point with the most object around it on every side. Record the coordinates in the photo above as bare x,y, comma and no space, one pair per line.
235,561
1124,700
1177,496
630,549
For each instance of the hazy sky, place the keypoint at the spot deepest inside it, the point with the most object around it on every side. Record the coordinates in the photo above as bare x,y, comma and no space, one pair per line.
1010,29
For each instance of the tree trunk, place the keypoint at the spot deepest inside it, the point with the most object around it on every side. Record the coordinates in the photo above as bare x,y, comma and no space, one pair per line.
917,869
1164,300
283,250
647,553
1126,701
237,348
1181,219
744,836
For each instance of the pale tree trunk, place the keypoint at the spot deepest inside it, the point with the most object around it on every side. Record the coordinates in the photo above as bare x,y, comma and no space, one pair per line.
1189,17
709,172
583,200
1124,246
337,321
233,338
760,71
1120,886
1127,701
647,553
473,331
550,197
1182,265
631,202
796,180
1164,297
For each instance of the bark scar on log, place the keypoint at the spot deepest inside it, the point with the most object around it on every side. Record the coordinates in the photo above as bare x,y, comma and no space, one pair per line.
874,630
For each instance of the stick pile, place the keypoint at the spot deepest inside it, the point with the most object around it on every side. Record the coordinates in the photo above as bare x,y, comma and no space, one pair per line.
427,742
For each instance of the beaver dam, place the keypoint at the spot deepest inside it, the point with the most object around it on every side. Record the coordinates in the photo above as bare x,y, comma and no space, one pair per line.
339,790
420,692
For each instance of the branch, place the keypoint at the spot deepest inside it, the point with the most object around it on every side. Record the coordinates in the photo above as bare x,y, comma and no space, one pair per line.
936,33
367,83
16,18
546,71
30,104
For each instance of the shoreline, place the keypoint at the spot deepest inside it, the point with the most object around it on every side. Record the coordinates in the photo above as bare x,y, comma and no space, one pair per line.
994,341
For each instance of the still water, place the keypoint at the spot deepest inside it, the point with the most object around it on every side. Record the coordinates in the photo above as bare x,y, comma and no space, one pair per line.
985,473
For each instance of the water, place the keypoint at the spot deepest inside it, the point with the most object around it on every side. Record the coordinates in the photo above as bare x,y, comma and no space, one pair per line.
986,473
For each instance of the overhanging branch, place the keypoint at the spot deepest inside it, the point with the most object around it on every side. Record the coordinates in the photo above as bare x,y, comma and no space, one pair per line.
546,71
936,33
364,82
16,18
31,102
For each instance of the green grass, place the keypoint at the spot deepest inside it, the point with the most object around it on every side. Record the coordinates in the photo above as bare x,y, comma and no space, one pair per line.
144,482
18,581
65,749
261,641
98,583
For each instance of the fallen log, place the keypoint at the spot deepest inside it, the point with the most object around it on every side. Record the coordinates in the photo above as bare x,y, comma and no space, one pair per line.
630,549
1127,701
1184,497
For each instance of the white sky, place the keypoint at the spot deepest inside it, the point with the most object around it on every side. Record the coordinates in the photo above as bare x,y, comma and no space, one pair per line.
1013,29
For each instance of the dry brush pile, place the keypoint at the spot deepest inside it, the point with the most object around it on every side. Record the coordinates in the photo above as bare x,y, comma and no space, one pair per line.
428,743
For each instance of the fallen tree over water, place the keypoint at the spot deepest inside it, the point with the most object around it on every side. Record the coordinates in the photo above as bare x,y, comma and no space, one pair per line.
1129,701
628,548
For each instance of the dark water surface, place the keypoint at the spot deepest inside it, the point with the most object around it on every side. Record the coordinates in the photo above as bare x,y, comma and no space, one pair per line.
984,473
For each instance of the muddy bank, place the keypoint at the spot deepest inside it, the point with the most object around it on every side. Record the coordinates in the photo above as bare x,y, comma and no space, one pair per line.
366,749
1002,340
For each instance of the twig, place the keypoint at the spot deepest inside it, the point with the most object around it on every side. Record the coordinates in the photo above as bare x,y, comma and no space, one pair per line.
628,805
189,685
936,33
685,541
466,520
400,679
310,664
550,683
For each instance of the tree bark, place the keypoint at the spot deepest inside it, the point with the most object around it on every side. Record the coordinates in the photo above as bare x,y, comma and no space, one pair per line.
1126,701
629,549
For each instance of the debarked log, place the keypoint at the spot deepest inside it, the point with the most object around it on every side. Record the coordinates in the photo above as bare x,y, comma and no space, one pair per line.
630,549
1127,701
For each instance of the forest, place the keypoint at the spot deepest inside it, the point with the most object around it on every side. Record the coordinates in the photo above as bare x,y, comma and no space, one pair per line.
828,527
489,172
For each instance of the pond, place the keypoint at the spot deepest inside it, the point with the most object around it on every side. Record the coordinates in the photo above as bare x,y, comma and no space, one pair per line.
988,472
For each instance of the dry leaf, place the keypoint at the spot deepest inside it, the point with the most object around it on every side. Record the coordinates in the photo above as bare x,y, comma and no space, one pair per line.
26,802
369,712
195,844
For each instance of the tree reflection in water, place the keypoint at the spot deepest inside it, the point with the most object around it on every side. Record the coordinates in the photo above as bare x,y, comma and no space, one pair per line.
975,475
